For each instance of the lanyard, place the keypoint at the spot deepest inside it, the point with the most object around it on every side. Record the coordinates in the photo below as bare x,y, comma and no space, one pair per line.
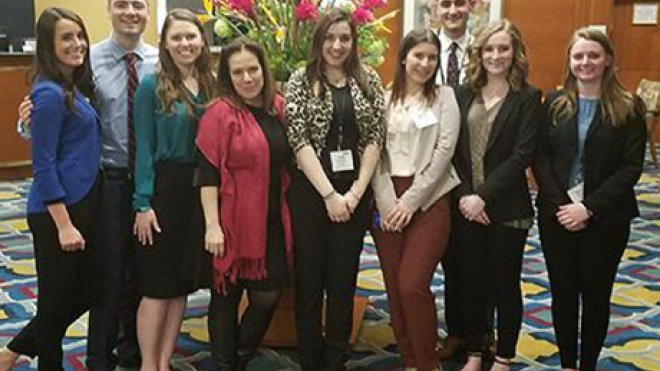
341,105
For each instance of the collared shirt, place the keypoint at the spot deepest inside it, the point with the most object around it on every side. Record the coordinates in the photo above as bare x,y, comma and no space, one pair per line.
461,56
110,76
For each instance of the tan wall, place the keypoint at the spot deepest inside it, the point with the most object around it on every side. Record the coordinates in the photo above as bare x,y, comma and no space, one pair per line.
95,16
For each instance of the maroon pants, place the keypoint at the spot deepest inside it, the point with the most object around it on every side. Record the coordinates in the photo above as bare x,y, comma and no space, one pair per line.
408,260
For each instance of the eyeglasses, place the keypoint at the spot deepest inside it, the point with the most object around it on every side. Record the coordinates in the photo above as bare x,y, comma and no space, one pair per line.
448,3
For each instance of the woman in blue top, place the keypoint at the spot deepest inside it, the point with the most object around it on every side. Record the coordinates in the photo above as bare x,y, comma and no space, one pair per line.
591,154
168,105
66,152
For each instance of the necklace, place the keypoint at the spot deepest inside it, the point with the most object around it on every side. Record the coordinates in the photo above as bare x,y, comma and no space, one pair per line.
336,79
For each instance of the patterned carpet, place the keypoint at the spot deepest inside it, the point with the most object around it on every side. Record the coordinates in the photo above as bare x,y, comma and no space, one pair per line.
633,342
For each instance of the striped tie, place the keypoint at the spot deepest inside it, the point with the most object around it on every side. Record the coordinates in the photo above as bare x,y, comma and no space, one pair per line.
131,85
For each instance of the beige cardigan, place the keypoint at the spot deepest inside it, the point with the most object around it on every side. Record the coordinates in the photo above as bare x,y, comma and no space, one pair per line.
435,176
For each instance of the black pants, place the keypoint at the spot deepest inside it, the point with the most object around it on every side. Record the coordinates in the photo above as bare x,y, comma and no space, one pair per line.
112,322
582,267
233,344
452,282
490,265
327,260
65,280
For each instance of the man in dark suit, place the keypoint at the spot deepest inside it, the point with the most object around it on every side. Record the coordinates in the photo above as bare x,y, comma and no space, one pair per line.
452,17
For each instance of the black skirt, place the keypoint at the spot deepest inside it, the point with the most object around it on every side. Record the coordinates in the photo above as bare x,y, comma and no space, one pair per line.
164,268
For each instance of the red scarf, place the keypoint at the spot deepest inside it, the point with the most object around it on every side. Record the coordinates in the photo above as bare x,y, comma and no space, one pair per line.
232,140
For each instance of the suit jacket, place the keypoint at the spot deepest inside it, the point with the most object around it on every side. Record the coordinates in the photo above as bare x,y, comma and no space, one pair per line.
66,147
612,161
510,149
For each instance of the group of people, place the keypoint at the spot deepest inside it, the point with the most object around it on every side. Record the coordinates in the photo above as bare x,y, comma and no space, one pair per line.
238,188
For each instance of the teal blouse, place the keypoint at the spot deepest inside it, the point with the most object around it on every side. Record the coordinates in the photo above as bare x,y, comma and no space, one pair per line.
160,136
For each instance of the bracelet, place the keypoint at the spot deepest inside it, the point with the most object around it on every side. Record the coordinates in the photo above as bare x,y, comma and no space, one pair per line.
326,197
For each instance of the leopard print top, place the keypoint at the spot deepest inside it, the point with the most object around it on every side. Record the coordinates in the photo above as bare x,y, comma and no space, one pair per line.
309,116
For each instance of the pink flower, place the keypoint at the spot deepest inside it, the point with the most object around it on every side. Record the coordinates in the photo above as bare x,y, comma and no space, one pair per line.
362,15
373,4
306,11
243,6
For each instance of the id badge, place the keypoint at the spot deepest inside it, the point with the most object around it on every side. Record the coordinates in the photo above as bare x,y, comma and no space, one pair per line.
576,194
424,119
341,160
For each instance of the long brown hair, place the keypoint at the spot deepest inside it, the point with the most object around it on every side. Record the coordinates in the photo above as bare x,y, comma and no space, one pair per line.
476,74
412,39
315,69
46,63
170,84
615,101
226,88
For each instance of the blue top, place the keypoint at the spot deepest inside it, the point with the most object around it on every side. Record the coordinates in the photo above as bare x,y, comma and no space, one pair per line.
160,136
111,80
66,147
586,111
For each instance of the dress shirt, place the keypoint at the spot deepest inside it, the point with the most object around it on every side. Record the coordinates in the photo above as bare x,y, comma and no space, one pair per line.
445,44
110,76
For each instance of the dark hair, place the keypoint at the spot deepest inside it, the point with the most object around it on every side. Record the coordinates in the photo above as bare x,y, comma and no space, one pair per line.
616,102
315,69
46,62
476,74
226,88
170,84
412,39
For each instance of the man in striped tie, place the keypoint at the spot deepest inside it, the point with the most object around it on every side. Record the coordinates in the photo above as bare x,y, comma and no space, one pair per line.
452,18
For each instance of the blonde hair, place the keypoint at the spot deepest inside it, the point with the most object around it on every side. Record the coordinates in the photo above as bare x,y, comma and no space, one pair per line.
616,102
517,76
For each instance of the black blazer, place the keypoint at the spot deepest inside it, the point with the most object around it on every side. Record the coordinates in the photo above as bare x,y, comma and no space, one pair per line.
613,160
510,149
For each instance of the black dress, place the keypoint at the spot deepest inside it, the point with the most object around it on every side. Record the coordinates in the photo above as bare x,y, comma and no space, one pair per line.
277,269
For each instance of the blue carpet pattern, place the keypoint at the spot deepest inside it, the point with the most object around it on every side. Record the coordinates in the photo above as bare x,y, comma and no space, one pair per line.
633,342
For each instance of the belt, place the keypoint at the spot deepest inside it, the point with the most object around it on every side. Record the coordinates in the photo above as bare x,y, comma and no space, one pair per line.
116,173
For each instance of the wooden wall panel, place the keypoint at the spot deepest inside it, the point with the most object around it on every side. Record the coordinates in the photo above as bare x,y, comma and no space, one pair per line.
637,47
14,151
546,27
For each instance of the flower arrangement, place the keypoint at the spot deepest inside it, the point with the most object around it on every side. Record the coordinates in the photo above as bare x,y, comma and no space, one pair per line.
284,28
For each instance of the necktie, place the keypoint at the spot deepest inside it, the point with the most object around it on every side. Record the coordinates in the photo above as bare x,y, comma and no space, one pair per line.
131,85
452,66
